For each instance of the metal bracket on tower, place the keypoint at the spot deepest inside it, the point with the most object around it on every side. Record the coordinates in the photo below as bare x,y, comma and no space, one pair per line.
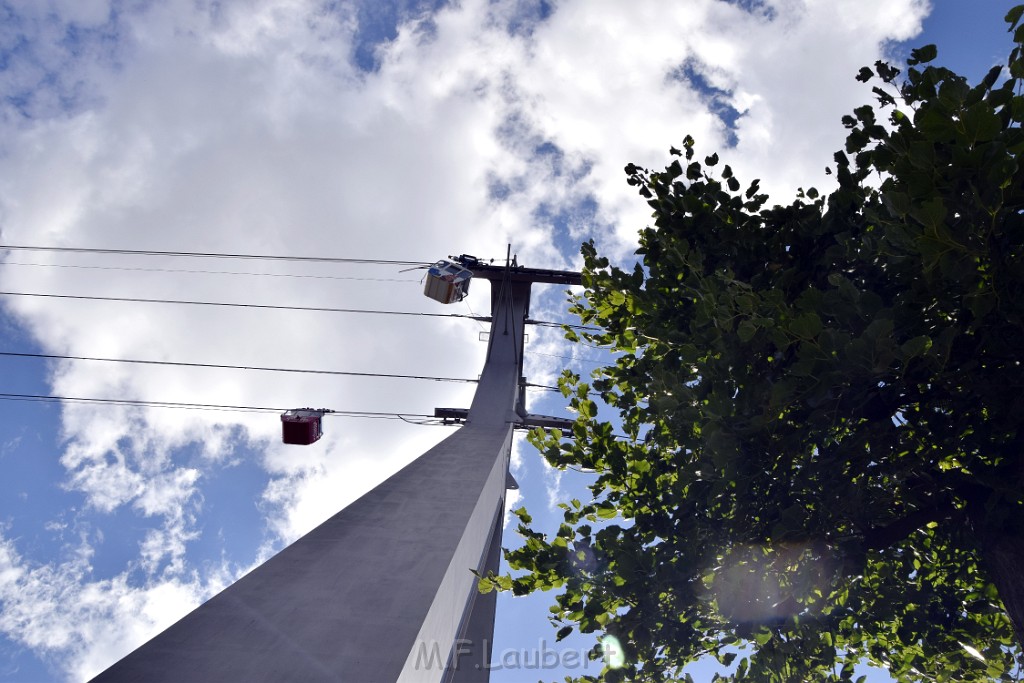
528,421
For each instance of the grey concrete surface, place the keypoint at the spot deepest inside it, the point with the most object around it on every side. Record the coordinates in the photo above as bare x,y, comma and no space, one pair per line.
381,590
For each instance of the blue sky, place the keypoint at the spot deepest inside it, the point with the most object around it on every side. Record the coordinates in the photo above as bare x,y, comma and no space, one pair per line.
403,130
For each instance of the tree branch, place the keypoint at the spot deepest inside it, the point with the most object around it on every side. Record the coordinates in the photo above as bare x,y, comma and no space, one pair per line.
881,537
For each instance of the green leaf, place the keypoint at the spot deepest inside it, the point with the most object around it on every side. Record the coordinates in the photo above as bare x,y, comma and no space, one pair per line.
923,54
935,124
1002,172
806,326
918,346
1013,16
523,515
746,330
587,409
898,203
981,124
930,213
922,154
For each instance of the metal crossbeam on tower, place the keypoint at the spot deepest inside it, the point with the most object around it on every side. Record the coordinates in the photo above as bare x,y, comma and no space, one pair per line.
383,590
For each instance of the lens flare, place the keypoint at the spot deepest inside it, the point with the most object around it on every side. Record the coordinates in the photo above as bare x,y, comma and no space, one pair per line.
614,657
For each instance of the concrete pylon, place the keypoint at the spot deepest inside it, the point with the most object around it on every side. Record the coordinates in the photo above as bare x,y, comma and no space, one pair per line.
382,591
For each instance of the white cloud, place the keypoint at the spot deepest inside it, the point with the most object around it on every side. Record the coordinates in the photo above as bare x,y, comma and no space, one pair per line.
85,624
512,499
243,127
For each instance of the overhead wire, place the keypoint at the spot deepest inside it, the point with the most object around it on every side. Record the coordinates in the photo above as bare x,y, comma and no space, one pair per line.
581,360
209,406
51,356
225,255
545,387
319,309
474,315
221,255
208,272
550,323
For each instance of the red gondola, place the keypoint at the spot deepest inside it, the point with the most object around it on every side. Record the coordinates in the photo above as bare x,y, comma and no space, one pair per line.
302,426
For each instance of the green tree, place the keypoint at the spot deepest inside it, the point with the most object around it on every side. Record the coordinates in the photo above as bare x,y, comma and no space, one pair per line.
823,407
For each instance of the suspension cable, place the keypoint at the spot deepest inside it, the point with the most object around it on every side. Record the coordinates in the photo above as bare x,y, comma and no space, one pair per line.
549,323
320,309
233,367
208,406
192,254
581,360
207,272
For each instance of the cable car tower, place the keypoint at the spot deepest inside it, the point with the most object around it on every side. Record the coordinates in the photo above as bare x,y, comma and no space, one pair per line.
383,591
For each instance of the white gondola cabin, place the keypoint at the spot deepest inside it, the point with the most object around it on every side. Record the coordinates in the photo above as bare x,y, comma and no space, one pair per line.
447,282
302,426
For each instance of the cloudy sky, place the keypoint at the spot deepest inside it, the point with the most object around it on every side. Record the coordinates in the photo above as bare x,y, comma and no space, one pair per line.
404,130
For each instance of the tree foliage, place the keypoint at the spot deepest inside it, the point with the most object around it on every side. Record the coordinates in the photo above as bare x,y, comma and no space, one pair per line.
823,407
